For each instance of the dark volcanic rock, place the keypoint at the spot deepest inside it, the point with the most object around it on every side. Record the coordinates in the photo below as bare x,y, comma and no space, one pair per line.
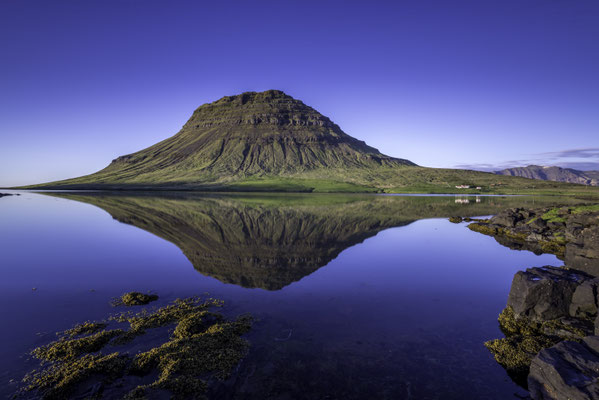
585,299
571,233
568,370
544,293
583,251
508,218
548,307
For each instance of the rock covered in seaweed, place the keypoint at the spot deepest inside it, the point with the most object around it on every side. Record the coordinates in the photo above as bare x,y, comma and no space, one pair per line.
135,299
92,361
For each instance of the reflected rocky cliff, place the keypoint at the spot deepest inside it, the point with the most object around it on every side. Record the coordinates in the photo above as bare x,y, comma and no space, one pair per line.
269,241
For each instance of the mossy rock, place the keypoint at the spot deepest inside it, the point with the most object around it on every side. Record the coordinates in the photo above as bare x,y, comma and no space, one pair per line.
524,339
203,345
66,349
136,299
58,380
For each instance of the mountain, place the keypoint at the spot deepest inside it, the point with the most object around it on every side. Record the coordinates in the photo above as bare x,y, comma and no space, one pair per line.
251,134
554,174
269,141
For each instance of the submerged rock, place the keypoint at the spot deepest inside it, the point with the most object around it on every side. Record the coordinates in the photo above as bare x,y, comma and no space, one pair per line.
135,299
180,348
567,370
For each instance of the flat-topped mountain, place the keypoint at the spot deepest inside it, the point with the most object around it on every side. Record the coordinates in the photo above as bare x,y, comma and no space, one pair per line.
251,134
557,174
269,141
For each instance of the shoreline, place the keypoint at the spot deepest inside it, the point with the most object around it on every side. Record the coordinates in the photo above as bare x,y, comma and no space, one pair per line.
551,321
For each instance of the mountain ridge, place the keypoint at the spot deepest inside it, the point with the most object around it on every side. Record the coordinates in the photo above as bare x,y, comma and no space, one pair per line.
553,173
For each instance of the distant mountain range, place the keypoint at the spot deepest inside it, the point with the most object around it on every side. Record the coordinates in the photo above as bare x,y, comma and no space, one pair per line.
269,141
556,174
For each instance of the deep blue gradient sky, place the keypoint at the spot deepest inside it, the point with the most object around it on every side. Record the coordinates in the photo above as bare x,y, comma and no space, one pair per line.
442,83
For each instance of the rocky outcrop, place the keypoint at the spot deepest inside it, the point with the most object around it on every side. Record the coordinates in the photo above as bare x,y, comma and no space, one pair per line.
552,312
571,233
568,370
545,306
546,293
5,194
554,174
582,251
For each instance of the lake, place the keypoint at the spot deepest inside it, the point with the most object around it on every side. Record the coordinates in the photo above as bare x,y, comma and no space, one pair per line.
354,296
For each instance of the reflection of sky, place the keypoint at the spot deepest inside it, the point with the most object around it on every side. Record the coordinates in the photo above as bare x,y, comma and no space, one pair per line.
428,277
440,83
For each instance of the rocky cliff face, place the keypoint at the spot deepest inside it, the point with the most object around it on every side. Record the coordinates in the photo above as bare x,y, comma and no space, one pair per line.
554,174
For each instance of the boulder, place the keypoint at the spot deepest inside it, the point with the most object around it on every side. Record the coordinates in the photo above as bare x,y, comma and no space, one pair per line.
544,293
508,218
538,224
582,253
567,370
584,300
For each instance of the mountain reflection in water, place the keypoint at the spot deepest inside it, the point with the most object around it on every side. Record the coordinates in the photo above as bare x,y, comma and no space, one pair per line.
269,241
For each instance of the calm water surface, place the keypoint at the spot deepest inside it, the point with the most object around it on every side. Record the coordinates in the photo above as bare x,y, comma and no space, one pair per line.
355,296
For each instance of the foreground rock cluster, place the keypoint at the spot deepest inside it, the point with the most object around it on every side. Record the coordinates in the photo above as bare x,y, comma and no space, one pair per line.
551,321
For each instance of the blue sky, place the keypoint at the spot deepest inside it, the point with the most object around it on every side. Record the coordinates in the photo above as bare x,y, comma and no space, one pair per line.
480,84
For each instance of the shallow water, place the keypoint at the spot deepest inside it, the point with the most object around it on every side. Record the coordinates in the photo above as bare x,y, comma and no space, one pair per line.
356,296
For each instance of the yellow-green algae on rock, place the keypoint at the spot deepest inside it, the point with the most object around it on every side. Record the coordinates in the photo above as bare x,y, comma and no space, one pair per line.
201,345
524,338
135,299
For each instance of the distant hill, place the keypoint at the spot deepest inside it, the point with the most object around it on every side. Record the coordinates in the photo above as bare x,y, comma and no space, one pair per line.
269,141
554,174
